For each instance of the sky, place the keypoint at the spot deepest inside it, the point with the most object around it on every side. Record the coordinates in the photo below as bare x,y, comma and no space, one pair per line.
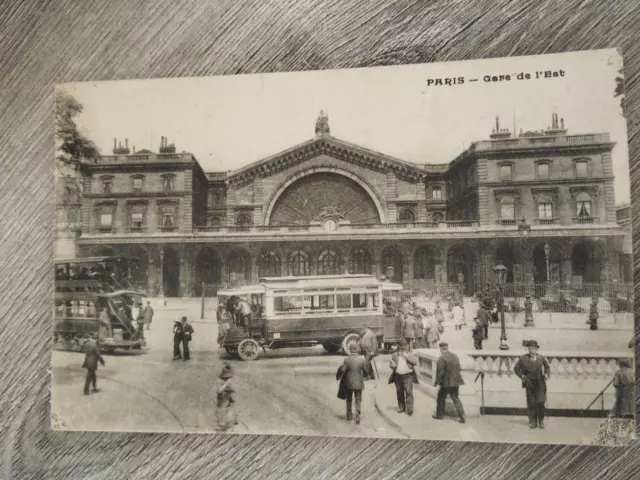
228,122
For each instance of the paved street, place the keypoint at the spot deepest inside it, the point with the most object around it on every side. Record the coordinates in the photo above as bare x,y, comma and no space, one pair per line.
291,391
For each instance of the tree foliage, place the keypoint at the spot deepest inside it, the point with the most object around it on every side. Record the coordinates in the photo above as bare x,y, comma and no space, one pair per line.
619,90
73,150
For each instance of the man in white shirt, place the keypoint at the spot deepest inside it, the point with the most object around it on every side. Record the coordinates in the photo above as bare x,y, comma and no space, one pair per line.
457,314
404,376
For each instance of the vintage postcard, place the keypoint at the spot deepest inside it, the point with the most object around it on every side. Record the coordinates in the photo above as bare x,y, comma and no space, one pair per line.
437,251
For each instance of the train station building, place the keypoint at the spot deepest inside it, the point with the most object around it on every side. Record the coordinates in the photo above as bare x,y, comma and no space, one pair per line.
541,203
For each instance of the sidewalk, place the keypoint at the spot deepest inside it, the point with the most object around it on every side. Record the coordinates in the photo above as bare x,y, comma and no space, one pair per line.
489,428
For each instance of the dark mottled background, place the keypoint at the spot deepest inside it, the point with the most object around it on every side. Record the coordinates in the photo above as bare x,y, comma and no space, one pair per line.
47,42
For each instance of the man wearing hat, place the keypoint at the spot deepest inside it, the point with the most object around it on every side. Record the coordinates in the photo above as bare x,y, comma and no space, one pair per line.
534,370
91,358
354,371
449,379
369,348
485,317
226,413
404,375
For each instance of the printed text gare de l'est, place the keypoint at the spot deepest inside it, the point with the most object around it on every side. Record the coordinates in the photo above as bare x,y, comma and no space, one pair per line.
433,82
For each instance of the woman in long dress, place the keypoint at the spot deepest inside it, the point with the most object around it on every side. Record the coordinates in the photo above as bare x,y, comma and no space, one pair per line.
226,415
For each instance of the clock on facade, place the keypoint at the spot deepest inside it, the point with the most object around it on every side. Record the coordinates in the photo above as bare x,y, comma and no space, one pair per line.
329,225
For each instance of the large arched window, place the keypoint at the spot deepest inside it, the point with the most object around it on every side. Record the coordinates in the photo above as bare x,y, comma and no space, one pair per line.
269,265
360,262
406,215
424,263
244,220
298,263
437,217
328,263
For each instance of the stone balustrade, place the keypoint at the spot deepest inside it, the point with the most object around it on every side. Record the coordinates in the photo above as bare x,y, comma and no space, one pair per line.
577,378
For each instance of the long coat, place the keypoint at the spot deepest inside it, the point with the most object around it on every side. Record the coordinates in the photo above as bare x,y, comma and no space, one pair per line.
353,370
448,371
369,343
533,372
410,327
624,383
92,356
147,314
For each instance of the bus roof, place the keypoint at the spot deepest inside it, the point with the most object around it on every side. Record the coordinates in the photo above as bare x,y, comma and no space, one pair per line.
60,261
320,281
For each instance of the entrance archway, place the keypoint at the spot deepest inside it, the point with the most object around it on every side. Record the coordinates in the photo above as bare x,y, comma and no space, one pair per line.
238,267
208,269
507,257
587,261
461,258
424,263
540,263
139,268
392,264
171,272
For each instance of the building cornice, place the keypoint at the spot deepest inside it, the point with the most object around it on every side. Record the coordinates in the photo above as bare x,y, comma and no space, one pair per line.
545,183
138,195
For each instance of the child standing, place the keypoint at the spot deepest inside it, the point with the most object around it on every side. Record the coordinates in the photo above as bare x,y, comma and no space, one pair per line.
226,412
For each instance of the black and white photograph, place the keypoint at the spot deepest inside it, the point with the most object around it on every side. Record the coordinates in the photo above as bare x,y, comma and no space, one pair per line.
432,251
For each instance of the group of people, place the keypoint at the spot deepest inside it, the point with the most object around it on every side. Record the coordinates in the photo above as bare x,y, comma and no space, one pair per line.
419,327
359,366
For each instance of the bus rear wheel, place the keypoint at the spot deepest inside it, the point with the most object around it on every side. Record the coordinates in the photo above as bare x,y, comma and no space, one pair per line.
248,350
348,339
331,347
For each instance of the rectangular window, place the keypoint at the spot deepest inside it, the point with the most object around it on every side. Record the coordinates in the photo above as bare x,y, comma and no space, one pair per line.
507,211
136,220
167,220
437,193
581,169
343,302
584,209
106,186
106,220
543,171
137,184
505,172
545,210
167,184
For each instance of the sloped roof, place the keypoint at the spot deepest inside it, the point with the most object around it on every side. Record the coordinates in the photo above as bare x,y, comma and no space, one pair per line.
328,145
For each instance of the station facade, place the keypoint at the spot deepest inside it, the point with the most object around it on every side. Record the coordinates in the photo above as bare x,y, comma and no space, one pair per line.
327,206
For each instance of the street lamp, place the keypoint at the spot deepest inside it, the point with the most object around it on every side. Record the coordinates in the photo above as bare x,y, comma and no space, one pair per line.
547,250
501,273
524,229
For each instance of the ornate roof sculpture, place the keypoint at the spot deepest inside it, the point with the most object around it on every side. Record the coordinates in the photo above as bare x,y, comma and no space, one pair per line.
322,124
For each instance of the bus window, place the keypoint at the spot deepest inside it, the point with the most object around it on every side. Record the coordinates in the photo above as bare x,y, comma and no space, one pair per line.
319,303
359,300
343,302
290,304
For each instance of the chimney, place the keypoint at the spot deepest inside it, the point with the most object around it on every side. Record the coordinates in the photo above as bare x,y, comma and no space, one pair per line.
126,143
114,144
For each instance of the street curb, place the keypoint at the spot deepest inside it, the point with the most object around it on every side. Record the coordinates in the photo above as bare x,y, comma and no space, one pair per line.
387,418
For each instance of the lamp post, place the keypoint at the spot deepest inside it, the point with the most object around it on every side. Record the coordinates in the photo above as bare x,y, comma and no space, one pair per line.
524,229
547,250
501,273
161,292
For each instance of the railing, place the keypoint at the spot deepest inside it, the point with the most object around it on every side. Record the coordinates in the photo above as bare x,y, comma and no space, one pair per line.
585,220
354,226
137,229
168,229
545,221
564,365
570,297
601,396
506,222
526,141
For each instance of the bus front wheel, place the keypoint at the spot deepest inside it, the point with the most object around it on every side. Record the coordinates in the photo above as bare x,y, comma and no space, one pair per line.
248,349
348,339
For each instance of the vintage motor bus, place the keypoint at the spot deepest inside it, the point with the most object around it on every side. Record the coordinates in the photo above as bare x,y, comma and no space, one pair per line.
329,310
77,313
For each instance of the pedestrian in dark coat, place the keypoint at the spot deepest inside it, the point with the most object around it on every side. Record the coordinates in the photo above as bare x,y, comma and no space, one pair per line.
353,373
485,318
533,369
182,333
478,334
91,358
147,315
410,330
226,415
449,379
594,315
368,348
624,383
404,376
